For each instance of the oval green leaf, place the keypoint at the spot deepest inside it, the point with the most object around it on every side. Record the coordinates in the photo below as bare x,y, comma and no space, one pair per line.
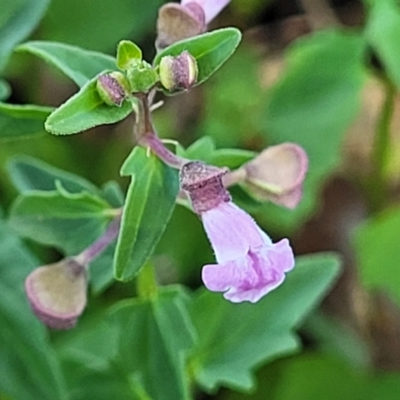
67,221
28,173
83,111
78,64
148,207
33,370
127,52
17,21
382,31
154,330
210,50
18,121
228,352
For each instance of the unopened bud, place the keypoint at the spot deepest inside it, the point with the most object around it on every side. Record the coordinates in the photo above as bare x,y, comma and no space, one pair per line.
57,293
112,88
142,77
178,73
277,174
176,22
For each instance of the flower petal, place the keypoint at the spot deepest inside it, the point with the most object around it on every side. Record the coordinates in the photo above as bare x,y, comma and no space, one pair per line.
280,255
175,23
253,276
211,7
231,231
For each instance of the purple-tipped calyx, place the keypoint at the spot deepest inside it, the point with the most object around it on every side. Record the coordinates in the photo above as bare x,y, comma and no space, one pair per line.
57,293
204,186
248,265
178,73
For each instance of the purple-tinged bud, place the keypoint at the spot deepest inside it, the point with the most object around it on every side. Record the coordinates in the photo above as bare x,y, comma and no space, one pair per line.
112,88
277,174
178,73
204,185
176,22
57,293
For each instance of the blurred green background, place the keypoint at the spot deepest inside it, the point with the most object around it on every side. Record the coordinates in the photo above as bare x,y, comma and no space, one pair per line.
309,72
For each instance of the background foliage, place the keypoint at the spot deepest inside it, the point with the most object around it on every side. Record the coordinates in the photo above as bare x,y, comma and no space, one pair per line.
327,80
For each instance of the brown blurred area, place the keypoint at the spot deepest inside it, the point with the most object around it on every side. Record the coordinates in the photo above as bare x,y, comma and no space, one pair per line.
373,317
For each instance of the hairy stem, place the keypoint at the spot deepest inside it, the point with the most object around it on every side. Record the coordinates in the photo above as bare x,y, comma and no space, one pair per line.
152,141
147,137
94,250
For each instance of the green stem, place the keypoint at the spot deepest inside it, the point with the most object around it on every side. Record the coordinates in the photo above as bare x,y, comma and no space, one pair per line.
146,283
381,149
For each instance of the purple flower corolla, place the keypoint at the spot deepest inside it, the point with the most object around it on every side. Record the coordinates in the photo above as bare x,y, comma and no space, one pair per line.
211,8
249,264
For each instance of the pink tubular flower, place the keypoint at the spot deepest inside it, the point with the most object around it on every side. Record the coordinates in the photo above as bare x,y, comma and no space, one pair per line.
249,264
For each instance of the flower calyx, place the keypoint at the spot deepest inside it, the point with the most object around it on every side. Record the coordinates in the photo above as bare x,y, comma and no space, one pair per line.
204,185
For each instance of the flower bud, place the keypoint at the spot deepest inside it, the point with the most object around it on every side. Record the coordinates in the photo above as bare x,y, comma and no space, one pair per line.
57,293
112,88
176,22
178,73
142,77
277,174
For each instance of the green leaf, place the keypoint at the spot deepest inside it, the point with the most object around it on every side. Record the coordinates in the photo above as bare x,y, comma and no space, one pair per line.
383,32
335,337
5,89
102,384
154,338
87,353
69,222
378,252
31,370
83,111
148,208
314,102
318,376
235,338
202,149
101,270
210,50
78,64
18,19
127,53
17,121
231,158
28,173
112,192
